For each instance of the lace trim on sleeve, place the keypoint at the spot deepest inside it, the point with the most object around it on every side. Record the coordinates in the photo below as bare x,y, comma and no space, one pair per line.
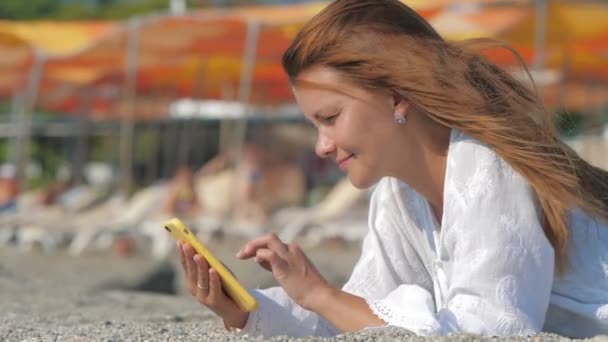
421,327
253,326
257,326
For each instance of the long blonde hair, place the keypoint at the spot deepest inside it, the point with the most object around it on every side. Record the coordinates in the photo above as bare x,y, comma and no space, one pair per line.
383,44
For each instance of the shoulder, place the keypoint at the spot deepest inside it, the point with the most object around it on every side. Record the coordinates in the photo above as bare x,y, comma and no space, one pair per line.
473,161
388,189
478,177
465,148
393,195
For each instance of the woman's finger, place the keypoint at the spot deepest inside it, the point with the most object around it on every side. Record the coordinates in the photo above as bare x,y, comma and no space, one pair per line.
270,241
270,260
182,258
192,275
202,284
216,293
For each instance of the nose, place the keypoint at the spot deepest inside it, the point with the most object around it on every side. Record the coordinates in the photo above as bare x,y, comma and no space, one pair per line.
325,146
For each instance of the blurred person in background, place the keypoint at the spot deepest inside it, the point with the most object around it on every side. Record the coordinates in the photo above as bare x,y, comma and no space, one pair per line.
9,189
49,195
264,178
182,199
481,221
269,181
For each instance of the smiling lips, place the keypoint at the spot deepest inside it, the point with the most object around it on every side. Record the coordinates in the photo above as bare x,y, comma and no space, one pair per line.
344,161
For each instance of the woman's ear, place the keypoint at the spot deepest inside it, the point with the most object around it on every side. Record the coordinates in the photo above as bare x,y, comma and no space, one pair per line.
400,104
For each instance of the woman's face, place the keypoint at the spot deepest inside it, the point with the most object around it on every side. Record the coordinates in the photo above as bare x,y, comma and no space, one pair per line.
356,127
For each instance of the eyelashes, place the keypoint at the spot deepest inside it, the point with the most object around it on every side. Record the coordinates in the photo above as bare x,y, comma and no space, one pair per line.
318,119
330,119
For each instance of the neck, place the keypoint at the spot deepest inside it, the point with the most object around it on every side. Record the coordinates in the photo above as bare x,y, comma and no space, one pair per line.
430,182
428,177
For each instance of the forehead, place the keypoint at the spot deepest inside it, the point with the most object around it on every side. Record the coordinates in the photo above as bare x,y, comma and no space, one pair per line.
323,88
323,78
318,88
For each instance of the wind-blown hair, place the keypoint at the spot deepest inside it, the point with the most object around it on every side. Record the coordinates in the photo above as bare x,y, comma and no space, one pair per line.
385,45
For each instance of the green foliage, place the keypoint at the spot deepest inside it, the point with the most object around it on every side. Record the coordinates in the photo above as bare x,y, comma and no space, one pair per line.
75,11
4,145
27,9
5,111
128,9
103,148
569,124
146,144
49,157
105,9
604,115
105,3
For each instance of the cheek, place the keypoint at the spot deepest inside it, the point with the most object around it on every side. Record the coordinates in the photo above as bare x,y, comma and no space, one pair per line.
352,129
375,137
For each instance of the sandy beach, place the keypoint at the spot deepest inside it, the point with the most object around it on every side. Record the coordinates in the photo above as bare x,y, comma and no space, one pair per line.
105,297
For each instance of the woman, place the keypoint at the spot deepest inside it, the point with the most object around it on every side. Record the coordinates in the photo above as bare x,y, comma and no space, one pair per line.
482,221
182,199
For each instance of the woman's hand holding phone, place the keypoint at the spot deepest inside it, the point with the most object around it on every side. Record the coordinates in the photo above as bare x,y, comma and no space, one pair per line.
205,285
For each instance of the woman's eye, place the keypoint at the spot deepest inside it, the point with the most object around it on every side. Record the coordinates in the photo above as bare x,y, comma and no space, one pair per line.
330,119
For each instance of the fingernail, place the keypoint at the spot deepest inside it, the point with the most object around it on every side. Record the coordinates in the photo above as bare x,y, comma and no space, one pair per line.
196,258
239,253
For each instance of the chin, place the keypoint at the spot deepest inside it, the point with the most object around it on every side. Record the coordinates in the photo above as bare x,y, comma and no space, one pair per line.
362,183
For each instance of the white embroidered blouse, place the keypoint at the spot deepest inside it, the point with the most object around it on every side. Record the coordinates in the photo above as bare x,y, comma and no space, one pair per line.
488,269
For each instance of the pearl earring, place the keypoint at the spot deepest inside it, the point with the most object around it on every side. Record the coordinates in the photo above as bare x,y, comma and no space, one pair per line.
400,119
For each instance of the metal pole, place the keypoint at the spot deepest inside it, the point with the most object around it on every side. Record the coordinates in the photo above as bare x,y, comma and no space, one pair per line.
245,85
79,158
127,125
246,80
27,112
16,109
177,6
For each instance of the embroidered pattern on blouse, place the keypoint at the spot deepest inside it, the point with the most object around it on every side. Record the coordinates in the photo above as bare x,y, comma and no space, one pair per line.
464,188
508,324
507,291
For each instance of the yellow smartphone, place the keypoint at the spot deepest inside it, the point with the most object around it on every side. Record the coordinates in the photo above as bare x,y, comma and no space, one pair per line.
180,232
